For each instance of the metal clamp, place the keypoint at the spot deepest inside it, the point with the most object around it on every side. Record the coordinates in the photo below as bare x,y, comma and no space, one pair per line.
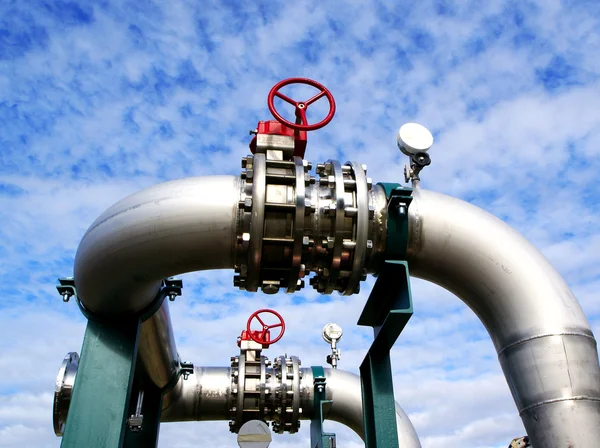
186,369
67,288
172,287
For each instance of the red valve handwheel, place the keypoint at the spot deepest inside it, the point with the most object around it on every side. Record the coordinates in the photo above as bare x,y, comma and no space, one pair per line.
301,106
265,327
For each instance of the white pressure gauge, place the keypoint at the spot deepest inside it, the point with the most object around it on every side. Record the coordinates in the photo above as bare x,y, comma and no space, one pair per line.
414,138
332,333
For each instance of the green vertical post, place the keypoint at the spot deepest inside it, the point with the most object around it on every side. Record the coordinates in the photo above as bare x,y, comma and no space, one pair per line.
101,395
388,309
379,406
318,438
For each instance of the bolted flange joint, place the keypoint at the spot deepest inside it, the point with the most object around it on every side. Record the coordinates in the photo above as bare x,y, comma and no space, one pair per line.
288,225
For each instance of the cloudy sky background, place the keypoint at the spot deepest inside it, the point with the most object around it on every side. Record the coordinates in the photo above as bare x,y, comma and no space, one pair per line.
99,99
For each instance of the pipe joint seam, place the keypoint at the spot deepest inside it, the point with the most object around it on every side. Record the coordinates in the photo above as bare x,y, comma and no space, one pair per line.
544,335
557,400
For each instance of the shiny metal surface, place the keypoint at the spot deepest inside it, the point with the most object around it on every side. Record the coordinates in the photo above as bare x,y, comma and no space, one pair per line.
544,343
285,383
337,209
257,221
179,226
238,393
259,391
273,211
157,350
63,391
289,225
377,229
298,269
206,396
362,242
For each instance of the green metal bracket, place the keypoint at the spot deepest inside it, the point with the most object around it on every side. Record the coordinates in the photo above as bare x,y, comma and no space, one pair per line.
389,306
388,309
388,187
399,198
318,438
101,394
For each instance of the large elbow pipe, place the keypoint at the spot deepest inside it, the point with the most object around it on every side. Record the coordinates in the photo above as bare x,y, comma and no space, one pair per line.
175,227
180,226
544,343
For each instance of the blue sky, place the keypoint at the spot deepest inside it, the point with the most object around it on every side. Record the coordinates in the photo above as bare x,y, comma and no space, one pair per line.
99,99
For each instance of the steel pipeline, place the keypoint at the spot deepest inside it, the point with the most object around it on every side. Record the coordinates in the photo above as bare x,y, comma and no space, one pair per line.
206,394
544,343
168,229
545,346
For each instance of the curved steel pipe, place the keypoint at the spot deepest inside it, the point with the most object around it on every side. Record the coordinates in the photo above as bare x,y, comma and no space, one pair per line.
544,343
175,227
157,350
206,396
344,389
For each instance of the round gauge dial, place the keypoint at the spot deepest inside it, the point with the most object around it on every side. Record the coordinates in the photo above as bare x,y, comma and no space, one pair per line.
332,332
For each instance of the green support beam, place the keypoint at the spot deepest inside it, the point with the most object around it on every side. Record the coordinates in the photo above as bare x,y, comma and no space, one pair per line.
379,406
388,309
101,395
318,438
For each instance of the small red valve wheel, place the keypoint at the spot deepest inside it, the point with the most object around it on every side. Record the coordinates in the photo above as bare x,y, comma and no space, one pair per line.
301,106
263,336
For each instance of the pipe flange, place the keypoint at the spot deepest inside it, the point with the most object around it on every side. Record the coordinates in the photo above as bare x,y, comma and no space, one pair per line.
273,209
286,403
288,225
63,391
234,423
249,390
297,270
257,222
362,243
345,229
